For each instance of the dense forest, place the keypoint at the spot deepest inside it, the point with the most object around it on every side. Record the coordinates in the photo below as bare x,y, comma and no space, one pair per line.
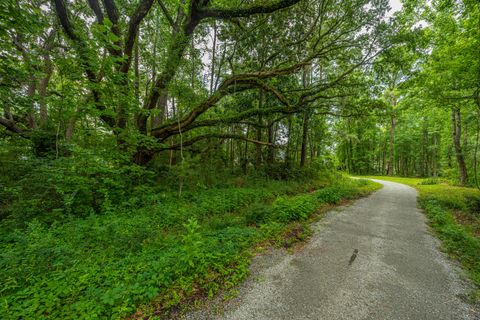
145,145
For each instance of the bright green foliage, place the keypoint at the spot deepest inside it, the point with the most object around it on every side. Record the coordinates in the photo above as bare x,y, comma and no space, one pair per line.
300,207
429,181
297,208
286,209
107,265
56,190
456,240
428,121
147,145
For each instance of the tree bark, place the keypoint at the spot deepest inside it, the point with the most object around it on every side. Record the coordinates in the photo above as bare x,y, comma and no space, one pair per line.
391,146
289,141
306,117
42,89
32,124
303,151
457,135
271,149
244,163
214,51
258,153
258,150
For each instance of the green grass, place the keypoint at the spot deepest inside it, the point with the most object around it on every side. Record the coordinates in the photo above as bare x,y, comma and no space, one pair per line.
454,214
154,257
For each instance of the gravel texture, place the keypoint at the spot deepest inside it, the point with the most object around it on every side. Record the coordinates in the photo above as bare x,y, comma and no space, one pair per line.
397,273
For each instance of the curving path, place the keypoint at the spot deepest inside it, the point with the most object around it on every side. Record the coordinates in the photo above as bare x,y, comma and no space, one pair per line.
398,273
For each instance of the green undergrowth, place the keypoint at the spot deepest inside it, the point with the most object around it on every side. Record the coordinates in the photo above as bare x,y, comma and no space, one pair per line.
454,214
144,261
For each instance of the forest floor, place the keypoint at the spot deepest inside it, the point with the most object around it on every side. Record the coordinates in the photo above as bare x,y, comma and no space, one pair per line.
398,272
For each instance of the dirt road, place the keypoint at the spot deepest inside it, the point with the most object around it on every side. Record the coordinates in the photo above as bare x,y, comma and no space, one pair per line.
397,273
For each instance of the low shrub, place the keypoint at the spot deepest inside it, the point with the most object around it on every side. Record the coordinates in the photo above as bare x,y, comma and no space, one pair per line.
429,181
257,214
55,190
456,239
473,204
295,208
282,171
332,195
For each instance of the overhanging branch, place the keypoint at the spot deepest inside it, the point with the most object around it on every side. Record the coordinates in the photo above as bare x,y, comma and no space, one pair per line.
235,83
135,20
82,50
167,15
95,6
11,126
215,136
220,13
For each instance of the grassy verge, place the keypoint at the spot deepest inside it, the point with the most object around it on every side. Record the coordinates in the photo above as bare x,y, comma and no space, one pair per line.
144,261
454,214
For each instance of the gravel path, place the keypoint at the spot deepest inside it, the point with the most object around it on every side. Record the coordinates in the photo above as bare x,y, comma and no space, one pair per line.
398,272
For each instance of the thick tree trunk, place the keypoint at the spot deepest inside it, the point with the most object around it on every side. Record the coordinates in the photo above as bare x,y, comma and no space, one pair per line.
136,63
233,154
214,51
42,90
391,147
245,153
158,95
180,42
312,145
457,135
289,142
303,151
32,124
427,151
70,129
258,153
271,149
384,156
258,150
69,132
351,164
157,119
